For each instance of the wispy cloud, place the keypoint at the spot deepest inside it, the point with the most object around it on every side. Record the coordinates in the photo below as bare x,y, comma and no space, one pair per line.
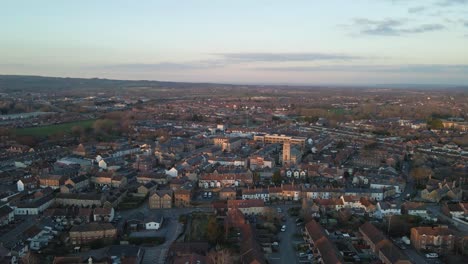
392,27
416,9
285,57
163,66
410,68
228,59
452,2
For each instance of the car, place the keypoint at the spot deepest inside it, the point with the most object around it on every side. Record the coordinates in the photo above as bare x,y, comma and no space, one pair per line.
283,228
279,210
432,255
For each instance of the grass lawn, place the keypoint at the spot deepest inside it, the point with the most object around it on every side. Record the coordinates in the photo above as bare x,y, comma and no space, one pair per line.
43,131
198,225
131,202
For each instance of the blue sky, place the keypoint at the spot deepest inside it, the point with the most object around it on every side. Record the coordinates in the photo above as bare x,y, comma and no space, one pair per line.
251,41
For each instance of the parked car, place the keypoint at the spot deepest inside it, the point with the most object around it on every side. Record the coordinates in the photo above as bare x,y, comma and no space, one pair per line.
432,255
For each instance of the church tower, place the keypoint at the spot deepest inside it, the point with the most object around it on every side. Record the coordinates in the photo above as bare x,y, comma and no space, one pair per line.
286,152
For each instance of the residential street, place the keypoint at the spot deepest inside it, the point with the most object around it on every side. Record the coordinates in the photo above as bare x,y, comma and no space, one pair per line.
286,253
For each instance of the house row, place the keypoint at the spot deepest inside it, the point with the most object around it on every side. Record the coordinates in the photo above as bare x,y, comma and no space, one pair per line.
386,251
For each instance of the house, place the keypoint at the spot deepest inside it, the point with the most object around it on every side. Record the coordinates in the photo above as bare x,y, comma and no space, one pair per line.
433,239
372,236
146,188
227,193
249,194
437,190
84,215
414,208
321,193
80,199
154,223
34,206
86,233
79,182
146,177
7,215
455,210
227,144
41,239
53,181
350,201
374,194
172,172
320,245
109,179
219,180
183,195
161,199
103,214
386,208
387,252
143,163
291,192
247,207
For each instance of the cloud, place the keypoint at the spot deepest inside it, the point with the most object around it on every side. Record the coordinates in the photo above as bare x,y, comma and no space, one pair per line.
410,68
284,57
162,66
416,9
452,2
392,27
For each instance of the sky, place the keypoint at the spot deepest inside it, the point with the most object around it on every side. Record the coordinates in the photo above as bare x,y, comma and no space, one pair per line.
244,41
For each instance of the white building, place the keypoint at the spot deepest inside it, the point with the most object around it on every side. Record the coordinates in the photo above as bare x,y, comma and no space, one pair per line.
172,172
154,223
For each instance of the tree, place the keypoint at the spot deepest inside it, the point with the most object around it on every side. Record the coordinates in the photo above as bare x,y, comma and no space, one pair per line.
103,126
213,230
30,258
276,178
223,256
420,173
256,177
435,124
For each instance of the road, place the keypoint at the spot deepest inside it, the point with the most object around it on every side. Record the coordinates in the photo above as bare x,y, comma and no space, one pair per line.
414,256
287,253
158,254
435,210
171,223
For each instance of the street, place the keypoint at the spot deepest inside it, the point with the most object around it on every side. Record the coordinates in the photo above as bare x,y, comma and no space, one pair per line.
287,253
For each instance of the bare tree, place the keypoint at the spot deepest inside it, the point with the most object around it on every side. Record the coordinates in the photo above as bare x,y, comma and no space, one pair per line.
223,256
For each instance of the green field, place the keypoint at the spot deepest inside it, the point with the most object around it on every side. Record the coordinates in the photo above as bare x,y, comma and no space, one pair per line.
44,131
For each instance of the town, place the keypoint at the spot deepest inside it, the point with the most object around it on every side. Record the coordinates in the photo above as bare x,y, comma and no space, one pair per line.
152,172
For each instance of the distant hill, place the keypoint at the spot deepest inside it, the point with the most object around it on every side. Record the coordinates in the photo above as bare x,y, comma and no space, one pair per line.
35,83
12,83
